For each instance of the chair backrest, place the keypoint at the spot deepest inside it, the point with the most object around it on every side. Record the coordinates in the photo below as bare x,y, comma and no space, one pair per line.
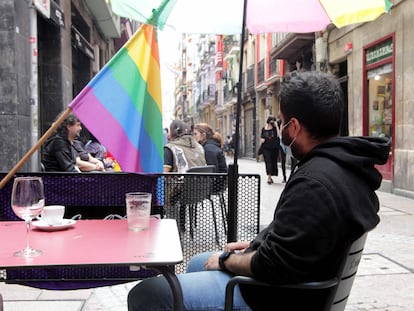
218,184
196,188
202,169
348,273
339,286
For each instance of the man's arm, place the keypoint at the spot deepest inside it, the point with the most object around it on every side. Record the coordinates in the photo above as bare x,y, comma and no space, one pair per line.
91,165
168,160
63,155
236,263
65,162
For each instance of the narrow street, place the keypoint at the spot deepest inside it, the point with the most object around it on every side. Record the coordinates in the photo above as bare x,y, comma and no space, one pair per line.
384,282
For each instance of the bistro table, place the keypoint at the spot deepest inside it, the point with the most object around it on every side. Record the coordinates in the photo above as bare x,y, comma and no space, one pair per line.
98,243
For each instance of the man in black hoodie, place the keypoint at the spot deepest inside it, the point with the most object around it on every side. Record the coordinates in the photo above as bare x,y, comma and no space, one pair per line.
328,202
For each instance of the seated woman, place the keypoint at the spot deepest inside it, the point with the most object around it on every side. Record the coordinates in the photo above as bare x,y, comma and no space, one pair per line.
182,151
85,161
212,143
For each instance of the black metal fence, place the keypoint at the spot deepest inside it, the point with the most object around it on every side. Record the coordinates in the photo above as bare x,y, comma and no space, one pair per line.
198,201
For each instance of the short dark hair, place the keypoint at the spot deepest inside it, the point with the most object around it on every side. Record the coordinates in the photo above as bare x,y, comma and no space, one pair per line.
315,99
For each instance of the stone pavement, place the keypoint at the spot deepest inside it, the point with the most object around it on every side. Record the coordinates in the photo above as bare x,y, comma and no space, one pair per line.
385,279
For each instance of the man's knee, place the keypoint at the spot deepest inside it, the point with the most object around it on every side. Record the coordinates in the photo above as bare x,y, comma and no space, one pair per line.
151,294
198,261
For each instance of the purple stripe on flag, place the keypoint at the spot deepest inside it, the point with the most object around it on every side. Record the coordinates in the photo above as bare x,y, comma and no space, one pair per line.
107,127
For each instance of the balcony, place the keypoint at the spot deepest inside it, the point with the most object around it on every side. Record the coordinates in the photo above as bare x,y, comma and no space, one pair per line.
292,44
261,72
209,94
230,93
274,69
108,23
250,78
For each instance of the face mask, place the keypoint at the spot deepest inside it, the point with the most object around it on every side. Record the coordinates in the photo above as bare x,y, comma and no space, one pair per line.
286,149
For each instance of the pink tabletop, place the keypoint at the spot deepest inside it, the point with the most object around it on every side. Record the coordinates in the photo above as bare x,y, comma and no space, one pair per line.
93,242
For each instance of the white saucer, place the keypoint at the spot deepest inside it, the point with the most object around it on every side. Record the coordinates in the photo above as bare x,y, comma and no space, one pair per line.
42,225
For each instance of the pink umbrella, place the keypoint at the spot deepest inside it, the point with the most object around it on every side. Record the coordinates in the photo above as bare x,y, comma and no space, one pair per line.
225,16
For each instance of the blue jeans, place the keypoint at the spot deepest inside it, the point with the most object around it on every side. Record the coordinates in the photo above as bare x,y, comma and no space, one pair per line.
202,290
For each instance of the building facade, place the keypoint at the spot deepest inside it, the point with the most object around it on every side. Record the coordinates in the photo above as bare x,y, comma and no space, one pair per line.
51,50
379,61
373,63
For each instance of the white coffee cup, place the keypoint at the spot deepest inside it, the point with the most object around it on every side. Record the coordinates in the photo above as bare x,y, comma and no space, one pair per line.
53,214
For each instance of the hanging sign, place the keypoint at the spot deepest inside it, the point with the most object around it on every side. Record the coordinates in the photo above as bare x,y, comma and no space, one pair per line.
56,15
43,6
82,44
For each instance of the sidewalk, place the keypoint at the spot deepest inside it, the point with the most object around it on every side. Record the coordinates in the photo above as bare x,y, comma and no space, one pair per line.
385,279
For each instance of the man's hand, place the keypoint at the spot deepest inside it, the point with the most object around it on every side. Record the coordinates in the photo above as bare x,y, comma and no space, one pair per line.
99,166
239,246
212,262
238,263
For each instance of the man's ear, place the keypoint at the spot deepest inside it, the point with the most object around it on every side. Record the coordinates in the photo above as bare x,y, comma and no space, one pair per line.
296,126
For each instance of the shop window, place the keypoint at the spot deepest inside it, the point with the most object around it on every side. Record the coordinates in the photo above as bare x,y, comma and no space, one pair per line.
380,101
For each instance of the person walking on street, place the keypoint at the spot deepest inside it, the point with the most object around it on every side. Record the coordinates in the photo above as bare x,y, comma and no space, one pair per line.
328,203
270,147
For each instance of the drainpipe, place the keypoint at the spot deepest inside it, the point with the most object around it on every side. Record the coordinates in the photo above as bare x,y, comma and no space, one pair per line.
34,106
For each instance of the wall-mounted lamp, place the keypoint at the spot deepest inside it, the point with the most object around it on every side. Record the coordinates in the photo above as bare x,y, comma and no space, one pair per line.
348,47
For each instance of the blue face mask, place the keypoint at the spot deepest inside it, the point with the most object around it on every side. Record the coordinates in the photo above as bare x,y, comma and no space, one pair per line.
286,149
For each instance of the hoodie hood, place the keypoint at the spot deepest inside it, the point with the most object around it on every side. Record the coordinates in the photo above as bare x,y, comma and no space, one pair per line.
211,141
53,138
358,154
186,140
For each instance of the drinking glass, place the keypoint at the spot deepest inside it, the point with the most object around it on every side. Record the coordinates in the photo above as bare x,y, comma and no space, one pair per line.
27,202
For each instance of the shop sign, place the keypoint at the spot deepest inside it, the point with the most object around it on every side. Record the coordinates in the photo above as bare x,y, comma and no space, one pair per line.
43,6
378,52
56,15
82,44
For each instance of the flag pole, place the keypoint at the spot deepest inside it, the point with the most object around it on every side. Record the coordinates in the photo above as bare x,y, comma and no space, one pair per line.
152,20
42,139
233,174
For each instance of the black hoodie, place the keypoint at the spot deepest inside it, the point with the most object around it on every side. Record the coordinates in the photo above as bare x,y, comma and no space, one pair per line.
59,155
328,202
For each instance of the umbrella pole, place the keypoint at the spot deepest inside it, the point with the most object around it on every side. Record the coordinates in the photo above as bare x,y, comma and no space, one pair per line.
233,169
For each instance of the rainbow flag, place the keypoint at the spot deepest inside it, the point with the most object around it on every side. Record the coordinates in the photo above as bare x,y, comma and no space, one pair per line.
121,106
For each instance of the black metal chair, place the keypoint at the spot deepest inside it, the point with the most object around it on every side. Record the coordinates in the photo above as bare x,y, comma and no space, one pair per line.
195,191
184,191
202,169
339,286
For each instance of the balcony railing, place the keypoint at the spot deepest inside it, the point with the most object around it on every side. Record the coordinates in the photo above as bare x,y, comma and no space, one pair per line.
210,93
261,72
229,94
250,78
273,67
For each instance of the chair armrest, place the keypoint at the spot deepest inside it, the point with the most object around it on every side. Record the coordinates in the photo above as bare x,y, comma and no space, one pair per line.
251,281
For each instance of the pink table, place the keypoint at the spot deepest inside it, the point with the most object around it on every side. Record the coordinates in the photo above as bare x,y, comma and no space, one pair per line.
98,242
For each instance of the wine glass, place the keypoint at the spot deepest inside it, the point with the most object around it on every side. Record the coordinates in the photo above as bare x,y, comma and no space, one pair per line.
27,201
